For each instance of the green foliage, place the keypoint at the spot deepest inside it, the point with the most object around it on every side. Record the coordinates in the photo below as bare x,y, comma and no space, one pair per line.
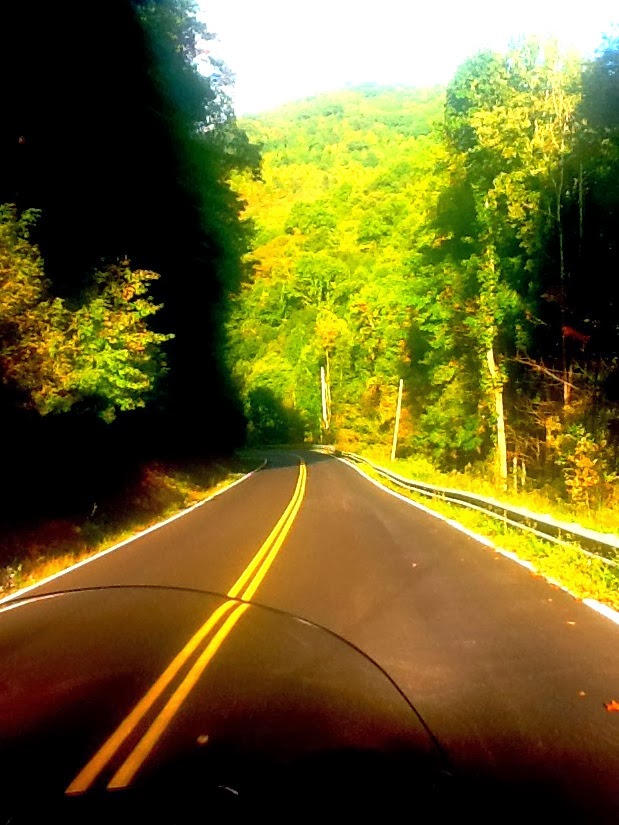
100,351
138,172
509,126
389,244
346,191
22,282
269,422
585,470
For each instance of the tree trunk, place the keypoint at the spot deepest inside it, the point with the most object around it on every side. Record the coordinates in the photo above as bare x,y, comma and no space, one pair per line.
497,391
567,386
559,194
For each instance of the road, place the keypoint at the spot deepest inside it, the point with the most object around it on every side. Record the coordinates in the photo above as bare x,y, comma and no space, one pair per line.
510,673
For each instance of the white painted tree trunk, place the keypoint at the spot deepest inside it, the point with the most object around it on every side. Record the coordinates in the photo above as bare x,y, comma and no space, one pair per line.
497,391
397,420
325,391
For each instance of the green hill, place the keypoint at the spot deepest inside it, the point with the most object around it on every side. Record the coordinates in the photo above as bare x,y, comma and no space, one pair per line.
348,180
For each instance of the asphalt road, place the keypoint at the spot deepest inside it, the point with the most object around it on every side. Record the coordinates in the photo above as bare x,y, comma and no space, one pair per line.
510,673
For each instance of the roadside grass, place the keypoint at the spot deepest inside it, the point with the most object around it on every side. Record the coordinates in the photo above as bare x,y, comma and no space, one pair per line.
30,553
544,501
565,566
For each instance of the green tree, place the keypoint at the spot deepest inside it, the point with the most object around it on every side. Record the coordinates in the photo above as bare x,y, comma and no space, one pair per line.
346,189
510,121
101,351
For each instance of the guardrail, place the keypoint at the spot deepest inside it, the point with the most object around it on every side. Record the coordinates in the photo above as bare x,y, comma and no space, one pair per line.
598,545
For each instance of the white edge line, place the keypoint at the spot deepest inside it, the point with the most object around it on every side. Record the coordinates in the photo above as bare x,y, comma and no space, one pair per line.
606,538
152,528
28,601
603,609
481,539
509,554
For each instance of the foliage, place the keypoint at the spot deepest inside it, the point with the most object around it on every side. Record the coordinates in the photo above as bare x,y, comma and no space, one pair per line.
100,351
509,125
129,161
30,553
269,422
440,237
584,467
346,185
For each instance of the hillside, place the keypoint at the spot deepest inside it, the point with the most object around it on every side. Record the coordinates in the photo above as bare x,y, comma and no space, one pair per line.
457,239
348,184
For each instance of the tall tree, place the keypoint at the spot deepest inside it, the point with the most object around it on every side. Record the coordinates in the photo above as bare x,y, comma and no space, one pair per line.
122,136
510,120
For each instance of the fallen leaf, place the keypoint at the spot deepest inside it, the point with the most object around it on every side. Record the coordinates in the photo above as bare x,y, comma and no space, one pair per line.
572,623
202,739
581,693
612,707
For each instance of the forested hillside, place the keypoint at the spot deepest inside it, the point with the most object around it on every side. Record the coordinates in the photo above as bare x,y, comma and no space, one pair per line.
462,239
166,293
340,213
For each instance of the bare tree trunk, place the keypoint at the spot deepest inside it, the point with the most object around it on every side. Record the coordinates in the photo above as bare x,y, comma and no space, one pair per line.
559,193
580,214
328,388
567,386
323,398
497,391
515,473
397,420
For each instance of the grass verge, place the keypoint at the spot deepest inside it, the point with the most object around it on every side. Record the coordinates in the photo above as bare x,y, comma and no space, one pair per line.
30,553
580,574
545,501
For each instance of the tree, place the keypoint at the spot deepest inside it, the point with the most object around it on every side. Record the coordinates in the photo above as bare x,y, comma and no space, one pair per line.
101,352
509,121
346,185
134,165
451,254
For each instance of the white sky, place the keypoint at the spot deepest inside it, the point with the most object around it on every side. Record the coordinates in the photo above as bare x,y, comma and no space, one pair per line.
282,50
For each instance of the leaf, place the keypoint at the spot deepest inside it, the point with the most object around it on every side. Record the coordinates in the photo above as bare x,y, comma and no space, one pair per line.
612,707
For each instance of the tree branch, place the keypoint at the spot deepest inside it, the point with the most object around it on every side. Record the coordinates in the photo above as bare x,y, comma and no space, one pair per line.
528,362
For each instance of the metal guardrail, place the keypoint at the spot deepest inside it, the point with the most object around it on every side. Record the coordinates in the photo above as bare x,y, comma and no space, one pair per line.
597,545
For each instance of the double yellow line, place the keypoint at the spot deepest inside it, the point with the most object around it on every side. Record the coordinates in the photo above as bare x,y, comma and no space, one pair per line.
221,623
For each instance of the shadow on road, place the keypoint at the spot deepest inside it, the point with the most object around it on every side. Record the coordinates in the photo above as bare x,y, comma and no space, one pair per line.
287,457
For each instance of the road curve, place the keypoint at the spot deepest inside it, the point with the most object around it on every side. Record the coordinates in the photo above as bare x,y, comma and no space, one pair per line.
510,672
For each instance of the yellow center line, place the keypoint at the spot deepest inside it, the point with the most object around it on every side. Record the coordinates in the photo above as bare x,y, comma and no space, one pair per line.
261,573
132,764
275,539
297,497
93,768
143,749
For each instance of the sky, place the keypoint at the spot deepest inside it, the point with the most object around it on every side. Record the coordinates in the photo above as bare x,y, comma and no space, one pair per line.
283,50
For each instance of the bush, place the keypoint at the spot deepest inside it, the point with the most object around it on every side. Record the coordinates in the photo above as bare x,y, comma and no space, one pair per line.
585,471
